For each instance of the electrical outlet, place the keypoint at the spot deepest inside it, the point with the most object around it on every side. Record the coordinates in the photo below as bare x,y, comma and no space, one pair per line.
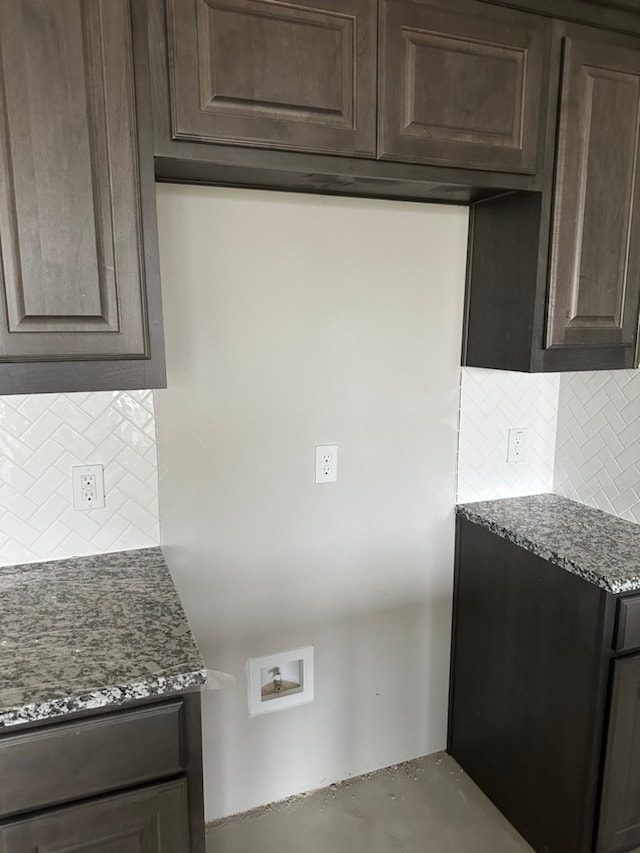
88,487
326,463
516,445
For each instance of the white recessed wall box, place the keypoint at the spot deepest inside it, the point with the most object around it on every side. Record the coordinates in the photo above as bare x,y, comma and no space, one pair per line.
280,681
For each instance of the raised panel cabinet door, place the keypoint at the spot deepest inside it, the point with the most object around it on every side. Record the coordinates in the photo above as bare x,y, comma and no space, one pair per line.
274,74
594,284
619,826
72,268
462,84
149,820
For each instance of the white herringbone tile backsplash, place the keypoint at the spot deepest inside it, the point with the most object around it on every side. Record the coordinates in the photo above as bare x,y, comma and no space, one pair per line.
41,437
491,403
598,445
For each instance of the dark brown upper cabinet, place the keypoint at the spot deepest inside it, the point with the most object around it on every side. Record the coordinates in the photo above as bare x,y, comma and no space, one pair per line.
554,277
311,96
594,284
79,306
462,84
273,74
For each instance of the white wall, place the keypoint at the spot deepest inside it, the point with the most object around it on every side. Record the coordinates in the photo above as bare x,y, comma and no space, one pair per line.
598,449
491,403
41,437
291,321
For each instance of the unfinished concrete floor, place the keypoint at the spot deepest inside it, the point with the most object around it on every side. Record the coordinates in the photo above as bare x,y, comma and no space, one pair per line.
424,806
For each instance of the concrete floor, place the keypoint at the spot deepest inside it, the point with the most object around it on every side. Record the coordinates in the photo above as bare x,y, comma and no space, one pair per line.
424,806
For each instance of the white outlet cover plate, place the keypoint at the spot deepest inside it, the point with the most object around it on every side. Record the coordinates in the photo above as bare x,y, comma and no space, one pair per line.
517,445
259,705
77,472
326,463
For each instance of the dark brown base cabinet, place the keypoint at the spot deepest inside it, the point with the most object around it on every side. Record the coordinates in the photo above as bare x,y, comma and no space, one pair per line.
151,820
545,696
128,781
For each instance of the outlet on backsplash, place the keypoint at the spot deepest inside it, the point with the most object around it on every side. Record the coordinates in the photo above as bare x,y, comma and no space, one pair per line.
492,403
517,445
88,487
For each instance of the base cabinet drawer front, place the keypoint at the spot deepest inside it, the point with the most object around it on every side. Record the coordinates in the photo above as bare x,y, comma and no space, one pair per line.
273,74
619,827
59,763
462,84
627,635
595,255
149,820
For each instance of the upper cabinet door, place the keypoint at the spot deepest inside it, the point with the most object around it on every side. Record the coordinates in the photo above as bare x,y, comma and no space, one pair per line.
462,84
595,257
72,265
273,74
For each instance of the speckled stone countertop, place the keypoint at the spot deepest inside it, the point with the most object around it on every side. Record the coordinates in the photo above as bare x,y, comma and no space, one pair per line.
91,632
601,548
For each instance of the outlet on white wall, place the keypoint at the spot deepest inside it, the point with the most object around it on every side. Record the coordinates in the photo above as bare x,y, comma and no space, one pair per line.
326,463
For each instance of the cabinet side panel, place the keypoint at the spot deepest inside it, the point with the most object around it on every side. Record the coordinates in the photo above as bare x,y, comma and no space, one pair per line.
193,752
528,684
504,253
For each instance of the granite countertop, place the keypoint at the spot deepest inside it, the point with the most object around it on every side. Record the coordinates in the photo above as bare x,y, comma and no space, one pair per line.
599,547
91,632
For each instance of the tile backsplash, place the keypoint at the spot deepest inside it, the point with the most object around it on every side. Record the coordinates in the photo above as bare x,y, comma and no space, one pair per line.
596,456
492,402
41,437
598,445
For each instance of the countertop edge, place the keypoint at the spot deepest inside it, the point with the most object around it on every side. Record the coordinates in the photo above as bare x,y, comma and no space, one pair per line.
613,586
104,698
